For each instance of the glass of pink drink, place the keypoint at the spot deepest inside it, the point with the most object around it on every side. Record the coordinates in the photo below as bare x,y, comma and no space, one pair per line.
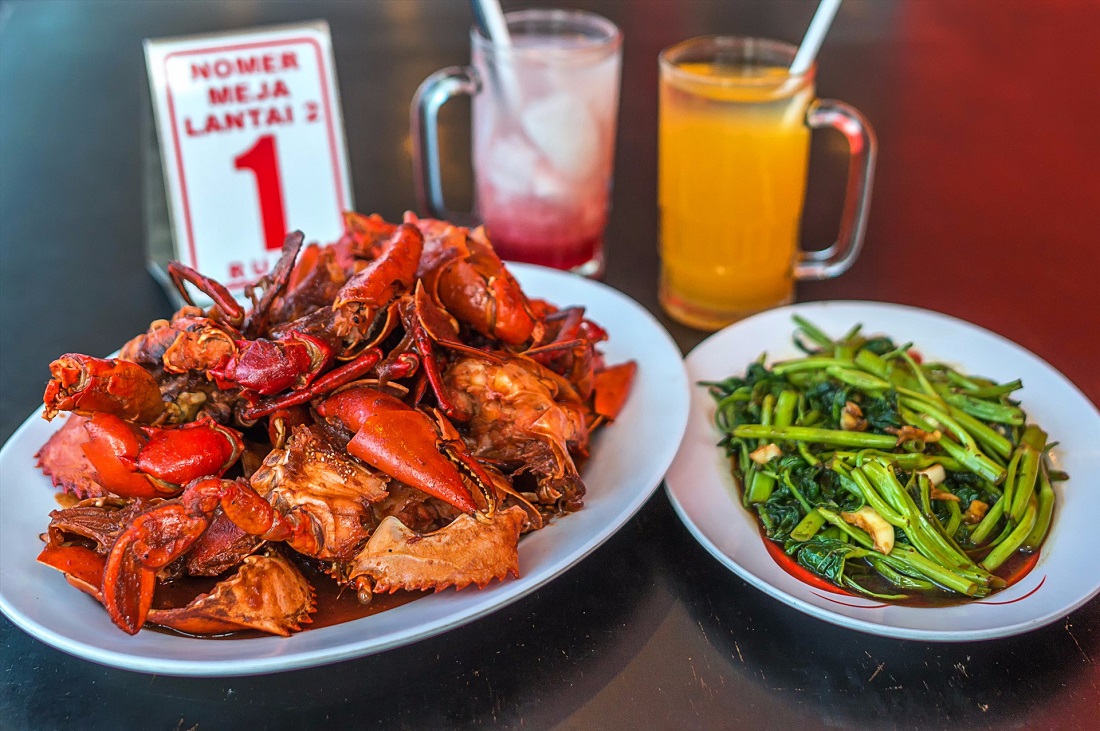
544,112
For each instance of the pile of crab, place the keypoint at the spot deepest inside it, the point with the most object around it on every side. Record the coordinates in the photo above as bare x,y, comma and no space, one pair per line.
391,407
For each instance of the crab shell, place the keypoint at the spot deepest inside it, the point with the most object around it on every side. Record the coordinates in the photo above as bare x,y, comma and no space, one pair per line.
471,550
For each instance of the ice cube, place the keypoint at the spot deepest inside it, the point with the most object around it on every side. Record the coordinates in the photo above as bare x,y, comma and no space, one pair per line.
600,85
548,183
510,164
564,131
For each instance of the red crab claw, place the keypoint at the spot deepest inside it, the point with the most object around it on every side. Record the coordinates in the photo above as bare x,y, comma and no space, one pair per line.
161,535
429,323
464,273
505,307
86,385
152,541
403,443
268,367
385,278
350,371
152,462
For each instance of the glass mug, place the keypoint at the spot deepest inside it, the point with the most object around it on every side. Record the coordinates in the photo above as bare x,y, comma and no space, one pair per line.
544,112
734,145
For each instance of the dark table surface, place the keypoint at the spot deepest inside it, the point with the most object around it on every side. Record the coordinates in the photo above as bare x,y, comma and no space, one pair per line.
985,207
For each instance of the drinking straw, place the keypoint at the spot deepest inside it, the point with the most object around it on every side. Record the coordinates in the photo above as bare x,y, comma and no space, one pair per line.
815,35
490,19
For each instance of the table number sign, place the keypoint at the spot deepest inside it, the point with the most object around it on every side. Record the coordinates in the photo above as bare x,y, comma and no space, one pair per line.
250,145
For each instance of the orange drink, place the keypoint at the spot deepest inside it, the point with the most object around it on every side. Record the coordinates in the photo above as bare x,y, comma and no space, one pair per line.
733,154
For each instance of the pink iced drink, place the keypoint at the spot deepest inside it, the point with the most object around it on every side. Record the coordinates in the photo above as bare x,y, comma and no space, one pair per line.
543,160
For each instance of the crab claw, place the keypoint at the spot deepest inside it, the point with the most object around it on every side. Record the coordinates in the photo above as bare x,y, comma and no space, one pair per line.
386,277
151,542
464,273
86,385
161,535
400,441
157,462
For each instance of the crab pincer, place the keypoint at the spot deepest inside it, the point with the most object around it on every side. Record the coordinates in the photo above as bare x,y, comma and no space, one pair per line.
167,531
404,443
86,385
132,461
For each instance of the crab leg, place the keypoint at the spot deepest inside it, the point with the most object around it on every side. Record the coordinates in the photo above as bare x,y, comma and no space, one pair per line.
256,322
214,289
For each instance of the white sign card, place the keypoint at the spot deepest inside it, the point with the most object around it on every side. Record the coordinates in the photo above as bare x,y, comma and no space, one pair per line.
251,144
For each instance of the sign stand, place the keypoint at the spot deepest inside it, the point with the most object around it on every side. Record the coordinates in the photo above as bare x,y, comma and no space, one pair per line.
159,247
243,143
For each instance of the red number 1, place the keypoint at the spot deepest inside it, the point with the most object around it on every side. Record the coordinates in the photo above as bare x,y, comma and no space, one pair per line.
263,163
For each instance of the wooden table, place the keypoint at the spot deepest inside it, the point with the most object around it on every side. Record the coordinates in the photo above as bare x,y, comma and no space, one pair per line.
985,207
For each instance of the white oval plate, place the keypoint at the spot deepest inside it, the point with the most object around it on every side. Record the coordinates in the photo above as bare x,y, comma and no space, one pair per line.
703,494
627,462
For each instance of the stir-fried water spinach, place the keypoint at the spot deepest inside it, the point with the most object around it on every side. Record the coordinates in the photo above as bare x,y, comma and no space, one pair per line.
885,475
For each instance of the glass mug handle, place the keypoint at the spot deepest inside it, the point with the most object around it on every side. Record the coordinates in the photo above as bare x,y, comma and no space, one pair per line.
433,93
862,147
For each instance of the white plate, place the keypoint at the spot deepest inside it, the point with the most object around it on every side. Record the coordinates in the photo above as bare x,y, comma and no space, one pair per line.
627,463
703,494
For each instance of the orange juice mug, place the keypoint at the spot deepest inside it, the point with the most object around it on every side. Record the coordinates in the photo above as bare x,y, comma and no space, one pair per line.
733,152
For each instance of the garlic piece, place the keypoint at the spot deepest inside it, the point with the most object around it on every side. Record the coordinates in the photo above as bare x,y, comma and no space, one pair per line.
851,417
912,433
765,453
881,532
936,474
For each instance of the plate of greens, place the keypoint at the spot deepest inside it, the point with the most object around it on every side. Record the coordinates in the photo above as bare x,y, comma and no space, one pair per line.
891,470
